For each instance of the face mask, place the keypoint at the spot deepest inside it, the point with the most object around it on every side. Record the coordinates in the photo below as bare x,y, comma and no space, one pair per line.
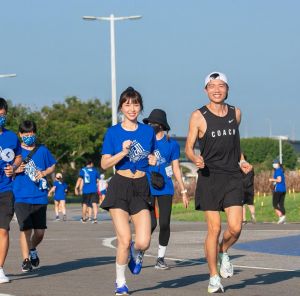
29,140
275,165
2,120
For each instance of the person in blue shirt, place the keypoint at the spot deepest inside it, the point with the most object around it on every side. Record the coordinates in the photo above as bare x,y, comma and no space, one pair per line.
59,189
167,152
129,146
10,159
279,191
31,193
89,177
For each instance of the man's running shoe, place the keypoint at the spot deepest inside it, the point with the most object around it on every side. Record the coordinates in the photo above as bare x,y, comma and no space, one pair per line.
57,218
95,221
161,264
123,290
226,267
135,262
215,285
3,277
34,258
26,265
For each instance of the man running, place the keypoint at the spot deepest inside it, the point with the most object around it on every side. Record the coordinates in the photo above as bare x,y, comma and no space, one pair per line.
219,185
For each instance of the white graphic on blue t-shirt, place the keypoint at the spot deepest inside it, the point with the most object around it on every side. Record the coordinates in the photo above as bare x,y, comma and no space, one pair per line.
159,158
31,171
7,154
87,178
137,152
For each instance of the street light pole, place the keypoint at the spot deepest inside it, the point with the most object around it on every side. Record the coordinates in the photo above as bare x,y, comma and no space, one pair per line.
113,71
280,138
7,75
112,20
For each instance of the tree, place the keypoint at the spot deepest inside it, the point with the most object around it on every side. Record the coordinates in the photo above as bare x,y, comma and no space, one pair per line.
73,130
262,151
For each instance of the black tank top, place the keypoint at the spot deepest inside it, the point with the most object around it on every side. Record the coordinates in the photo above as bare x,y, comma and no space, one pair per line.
220,145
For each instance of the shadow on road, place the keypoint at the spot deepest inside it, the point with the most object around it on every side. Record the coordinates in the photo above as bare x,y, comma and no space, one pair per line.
266,279
47,270
176,283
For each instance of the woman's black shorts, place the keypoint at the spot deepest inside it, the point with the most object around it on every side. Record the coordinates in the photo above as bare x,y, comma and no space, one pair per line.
128,194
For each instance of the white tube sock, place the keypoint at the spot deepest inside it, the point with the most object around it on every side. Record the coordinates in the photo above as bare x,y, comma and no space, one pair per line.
161,251
120,274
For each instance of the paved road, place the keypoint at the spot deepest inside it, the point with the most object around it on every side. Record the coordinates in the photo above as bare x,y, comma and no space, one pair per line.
78,259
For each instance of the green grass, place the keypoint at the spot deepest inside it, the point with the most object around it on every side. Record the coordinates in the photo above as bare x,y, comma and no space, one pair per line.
263,207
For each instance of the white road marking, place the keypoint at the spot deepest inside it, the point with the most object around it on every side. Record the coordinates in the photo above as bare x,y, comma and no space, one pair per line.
107,242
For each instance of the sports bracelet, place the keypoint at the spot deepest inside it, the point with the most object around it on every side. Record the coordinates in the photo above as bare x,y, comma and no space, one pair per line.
183,191
14,167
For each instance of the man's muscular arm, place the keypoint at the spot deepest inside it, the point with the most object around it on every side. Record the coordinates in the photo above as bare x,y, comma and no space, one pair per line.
197,127
238,115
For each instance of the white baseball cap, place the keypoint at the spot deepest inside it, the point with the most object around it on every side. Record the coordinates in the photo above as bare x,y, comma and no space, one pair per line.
215,75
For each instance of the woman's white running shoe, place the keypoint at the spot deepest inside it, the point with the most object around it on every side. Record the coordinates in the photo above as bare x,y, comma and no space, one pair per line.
215,285
3,277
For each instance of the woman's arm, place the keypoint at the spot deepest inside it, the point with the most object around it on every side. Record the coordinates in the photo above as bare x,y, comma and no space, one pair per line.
277,180
108,161
178,177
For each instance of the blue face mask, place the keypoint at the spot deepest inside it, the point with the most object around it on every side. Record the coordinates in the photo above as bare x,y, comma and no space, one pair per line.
2,120
29,140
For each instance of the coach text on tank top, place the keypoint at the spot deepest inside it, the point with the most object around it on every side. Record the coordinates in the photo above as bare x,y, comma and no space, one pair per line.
220,145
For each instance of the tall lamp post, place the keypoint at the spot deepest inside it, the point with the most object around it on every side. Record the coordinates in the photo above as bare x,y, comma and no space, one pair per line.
112,20
7,75
280,146
280,139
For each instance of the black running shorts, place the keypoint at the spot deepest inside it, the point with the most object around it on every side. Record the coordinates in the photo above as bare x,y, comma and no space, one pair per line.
90,198
218,191
6,209
130,195
248,197
31,216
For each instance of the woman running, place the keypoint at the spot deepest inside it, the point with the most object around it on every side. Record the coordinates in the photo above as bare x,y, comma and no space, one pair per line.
129,146
279,191
167,152
59,190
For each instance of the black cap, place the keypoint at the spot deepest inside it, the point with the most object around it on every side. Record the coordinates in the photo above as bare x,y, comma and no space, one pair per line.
158,116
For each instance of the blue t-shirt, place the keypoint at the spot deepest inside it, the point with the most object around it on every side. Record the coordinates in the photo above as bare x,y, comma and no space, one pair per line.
280,187
143,141
60,190
10,147
90,175
25,187
165,151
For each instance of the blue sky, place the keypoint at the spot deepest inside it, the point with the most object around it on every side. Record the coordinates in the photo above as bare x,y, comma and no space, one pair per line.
165,55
